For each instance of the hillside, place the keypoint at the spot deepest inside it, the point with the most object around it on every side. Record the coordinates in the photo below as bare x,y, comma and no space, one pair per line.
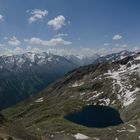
14,131
113,84
24,75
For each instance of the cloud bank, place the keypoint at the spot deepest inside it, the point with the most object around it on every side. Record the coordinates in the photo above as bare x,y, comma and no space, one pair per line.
51,42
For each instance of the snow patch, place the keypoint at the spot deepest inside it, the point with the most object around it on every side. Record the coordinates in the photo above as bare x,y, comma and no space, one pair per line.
39,100
137,58
133,128
126,93
82,93
129,98
105,101
78,84
80,136
96,94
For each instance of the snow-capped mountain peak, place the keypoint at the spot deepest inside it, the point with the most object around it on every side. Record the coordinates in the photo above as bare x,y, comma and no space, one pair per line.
28,59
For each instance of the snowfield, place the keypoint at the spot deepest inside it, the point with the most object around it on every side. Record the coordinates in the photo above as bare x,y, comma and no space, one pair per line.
126,92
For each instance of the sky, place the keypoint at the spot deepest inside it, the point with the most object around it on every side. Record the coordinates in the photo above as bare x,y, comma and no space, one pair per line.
82,27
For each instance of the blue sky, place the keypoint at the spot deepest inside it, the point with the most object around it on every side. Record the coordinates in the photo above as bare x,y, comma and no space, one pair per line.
69,26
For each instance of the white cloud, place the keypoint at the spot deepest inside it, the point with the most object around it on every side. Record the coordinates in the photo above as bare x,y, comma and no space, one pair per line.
106,44
19,50
14,41
26,40
61,35
1,18
67,50
119,49
58,51
37,14
117,37
80,52
32,49
121,45
57,22
2,45
51,42
136,49
16,50
101,51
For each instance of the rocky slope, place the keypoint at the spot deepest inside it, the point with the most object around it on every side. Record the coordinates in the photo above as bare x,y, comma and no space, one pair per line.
113,57
114,84
24,75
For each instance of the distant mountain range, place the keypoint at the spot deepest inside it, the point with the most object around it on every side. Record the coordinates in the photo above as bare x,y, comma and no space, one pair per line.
24,75
113,57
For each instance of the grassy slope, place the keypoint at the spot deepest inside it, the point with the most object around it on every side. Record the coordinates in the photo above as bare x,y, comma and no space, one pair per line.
60,99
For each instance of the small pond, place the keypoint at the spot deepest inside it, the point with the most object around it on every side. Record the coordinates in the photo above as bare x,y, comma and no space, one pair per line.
96,116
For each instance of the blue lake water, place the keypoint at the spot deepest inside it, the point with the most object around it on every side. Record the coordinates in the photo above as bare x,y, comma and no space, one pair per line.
96,116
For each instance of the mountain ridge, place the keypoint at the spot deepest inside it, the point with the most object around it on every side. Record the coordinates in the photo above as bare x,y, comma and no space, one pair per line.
114,84
24,75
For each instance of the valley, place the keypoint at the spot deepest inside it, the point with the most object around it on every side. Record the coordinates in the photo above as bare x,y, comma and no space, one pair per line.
107,84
